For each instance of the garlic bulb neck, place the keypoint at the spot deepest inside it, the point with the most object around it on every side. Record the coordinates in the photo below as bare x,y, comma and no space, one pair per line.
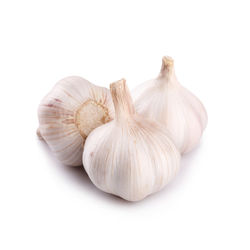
167,73
122,100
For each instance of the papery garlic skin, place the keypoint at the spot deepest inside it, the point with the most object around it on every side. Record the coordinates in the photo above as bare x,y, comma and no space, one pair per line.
72,109
166,101
131,156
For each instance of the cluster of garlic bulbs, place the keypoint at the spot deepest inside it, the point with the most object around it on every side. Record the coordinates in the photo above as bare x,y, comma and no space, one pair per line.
129,145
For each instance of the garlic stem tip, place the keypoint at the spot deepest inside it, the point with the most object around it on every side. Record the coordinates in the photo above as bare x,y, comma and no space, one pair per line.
118,84
122,99
167,63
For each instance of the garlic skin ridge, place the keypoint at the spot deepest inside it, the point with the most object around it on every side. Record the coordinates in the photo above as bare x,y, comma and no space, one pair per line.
131,156
68,113
166,101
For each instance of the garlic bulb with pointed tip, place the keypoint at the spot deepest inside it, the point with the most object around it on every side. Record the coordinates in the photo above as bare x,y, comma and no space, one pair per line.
131,156
166,101
72,109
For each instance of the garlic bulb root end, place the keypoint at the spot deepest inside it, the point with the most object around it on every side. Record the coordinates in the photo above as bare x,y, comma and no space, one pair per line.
68,113
90,115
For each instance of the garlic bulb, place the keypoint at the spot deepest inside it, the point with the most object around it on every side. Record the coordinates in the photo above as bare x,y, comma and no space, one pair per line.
166,101
131,156
72,109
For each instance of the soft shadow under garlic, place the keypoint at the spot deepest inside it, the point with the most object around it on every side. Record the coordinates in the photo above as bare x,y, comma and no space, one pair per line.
178,182
78,177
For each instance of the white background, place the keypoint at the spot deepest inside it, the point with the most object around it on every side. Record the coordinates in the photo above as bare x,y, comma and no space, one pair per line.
45,205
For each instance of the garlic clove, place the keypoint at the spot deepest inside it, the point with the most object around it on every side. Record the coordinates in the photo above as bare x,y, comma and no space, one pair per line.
72,109
131,156
166,101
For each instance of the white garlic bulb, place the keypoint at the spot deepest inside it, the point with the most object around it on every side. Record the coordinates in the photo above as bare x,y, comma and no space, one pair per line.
72,109
166,101
131,156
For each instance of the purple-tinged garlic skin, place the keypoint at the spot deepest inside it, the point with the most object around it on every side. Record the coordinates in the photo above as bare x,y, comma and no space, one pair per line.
68,113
